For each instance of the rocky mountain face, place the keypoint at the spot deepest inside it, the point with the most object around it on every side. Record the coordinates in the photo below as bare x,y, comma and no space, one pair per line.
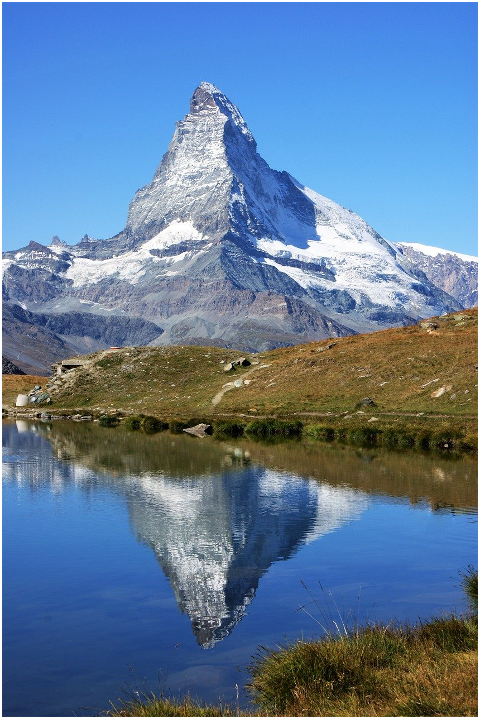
454,273
219,249
9,367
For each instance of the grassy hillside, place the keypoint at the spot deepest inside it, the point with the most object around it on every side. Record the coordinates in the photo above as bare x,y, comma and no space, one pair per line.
426,370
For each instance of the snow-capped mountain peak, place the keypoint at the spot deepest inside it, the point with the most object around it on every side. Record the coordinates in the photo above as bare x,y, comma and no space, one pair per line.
221,249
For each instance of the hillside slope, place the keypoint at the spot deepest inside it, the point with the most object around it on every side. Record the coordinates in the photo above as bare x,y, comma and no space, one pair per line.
429,368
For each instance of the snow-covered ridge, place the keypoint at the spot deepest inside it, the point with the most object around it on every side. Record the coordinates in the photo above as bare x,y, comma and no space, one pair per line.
435,251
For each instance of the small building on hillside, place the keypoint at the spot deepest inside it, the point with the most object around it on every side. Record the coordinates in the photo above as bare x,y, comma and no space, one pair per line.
60,368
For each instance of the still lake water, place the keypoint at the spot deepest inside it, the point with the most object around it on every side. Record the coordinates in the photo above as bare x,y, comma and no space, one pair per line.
135,562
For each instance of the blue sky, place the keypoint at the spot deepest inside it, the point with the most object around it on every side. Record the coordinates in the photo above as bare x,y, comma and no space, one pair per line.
371,104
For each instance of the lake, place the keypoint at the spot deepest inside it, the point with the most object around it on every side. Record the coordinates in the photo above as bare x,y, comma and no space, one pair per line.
136,562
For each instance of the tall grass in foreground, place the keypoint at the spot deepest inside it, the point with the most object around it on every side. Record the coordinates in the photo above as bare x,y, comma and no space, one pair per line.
426,670
152,706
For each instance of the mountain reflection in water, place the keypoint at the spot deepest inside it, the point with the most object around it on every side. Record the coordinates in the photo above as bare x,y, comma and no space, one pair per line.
215,536
214,520
218,515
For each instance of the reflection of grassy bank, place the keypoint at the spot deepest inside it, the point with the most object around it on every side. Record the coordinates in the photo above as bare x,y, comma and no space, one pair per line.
427,670
445,483
423,434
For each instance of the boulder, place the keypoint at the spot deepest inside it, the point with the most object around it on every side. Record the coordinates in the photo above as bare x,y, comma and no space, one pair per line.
242,362
200,430
366,402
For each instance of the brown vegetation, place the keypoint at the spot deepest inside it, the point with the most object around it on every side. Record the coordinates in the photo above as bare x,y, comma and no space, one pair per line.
423,375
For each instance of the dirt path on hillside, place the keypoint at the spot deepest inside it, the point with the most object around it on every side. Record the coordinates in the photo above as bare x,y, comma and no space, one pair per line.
231,385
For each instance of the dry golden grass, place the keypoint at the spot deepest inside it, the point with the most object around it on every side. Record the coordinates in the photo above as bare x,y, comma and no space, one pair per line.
401,369
430,670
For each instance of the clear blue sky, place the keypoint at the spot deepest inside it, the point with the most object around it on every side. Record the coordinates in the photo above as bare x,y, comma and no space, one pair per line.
371,104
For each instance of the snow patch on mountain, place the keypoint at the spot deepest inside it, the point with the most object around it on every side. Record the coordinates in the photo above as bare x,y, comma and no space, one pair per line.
133,265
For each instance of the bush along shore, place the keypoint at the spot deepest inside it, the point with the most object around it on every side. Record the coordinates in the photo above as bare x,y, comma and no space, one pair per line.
429,669
425,434
448,436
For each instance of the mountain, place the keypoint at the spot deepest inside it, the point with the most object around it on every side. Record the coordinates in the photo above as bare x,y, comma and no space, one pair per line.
9,367
219,249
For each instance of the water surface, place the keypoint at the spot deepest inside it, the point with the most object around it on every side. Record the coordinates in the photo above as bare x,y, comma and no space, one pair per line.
161,562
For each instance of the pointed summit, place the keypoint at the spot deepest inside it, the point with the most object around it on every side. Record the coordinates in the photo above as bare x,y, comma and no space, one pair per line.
203,98
207,99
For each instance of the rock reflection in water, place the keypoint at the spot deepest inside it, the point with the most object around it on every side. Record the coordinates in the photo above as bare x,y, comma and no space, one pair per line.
214,531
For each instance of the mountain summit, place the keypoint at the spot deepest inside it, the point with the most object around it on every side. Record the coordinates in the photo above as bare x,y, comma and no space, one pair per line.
219,249
213,176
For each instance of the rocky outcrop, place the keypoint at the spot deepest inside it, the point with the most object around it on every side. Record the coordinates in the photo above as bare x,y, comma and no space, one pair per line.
38,340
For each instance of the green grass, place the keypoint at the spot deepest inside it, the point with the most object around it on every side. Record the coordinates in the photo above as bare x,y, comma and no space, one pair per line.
271,428
470,587
441,435
224,429
108,421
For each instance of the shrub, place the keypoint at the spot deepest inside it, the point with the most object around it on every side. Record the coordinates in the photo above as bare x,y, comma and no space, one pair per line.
177,426
132,423
390,438
445,440
108,421
470,587
151,425
321,432
229,428
271,428
405,440
364,436
468,443
423,439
